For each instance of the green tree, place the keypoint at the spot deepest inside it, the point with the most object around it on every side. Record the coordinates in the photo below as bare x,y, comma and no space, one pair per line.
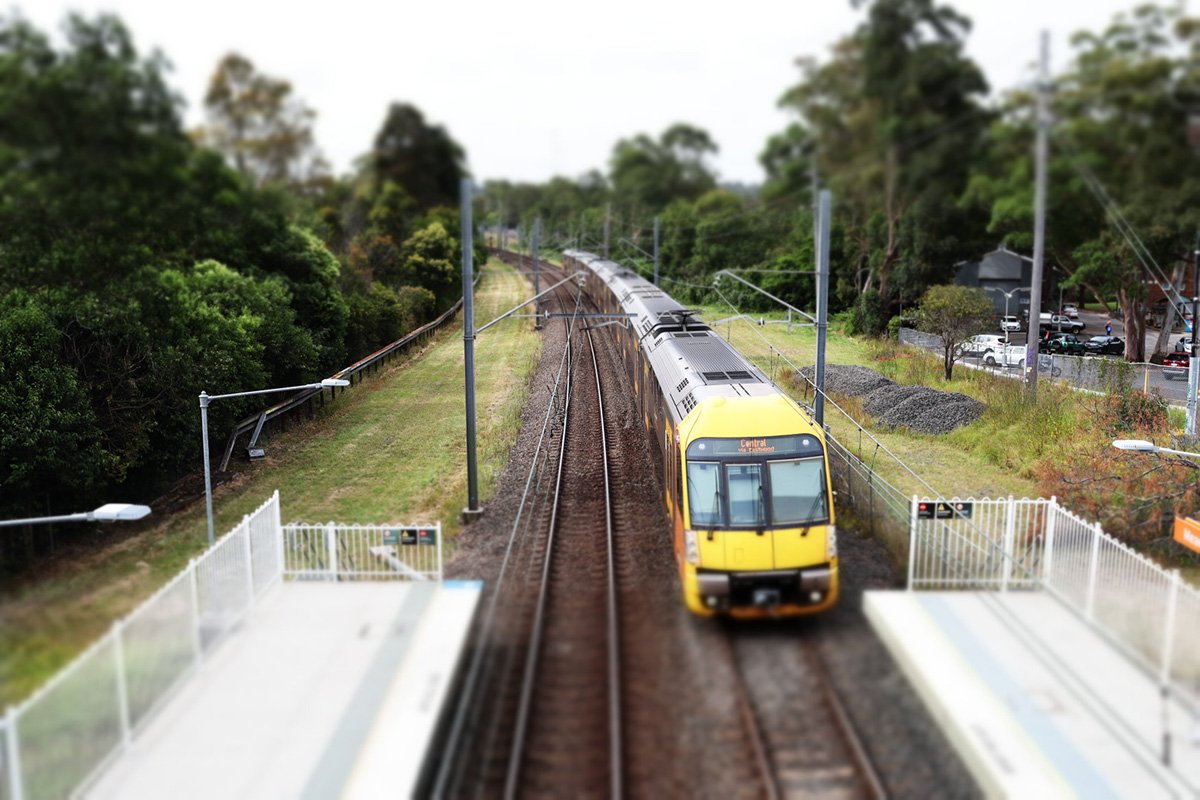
647,174
417,156
955,313
893,123
256,122
50,436
1120,151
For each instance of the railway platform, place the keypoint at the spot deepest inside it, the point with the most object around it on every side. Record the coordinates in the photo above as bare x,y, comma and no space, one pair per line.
329,689
1036,702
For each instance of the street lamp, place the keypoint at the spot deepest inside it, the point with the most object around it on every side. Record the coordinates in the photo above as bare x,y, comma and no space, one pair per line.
109,512
1142,446
206,398
1007,296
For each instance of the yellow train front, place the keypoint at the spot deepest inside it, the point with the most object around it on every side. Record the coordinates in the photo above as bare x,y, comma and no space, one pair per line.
757,528
744,471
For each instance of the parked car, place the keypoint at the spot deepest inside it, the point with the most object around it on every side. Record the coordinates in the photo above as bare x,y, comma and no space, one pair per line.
1105,346
1184,345
985,346
1063,343
1175,365
1070,311
1010,323
1057,322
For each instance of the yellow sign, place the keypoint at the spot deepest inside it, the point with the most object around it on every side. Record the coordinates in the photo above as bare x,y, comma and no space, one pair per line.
1187,532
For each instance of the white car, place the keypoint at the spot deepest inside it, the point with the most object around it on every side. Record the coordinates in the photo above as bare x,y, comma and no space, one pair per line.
1010,323
985,347
1071,311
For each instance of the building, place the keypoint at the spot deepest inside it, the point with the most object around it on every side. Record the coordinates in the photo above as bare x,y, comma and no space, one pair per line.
1002,271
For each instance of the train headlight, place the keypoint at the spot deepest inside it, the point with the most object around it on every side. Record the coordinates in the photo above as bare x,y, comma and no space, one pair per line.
691,547
831,542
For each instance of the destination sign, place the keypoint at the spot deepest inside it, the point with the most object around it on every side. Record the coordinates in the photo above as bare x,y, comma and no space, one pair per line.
795,445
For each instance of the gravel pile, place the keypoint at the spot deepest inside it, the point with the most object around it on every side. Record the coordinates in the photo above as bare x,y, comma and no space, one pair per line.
850,380
918,408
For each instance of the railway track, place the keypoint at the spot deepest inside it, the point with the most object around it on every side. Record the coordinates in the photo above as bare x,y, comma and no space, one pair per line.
621,691
570,702
805,744
546,720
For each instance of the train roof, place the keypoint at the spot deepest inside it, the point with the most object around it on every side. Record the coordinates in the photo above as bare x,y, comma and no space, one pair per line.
691,361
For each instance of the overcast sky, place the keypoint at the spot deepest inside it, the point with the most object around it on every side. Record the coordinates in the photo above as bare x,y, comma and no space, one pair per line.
536,88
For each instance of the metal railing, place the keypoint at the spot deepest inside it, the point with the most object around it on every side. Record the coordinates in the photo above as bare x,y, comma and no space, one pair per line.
59,739
362,552
1147,612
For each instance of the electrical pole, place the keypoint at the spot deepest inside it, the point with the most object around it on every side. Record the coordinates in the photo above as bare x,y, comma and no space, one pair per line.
1039,217
1194,363
656,251
607,217
537,285
472,510
825,212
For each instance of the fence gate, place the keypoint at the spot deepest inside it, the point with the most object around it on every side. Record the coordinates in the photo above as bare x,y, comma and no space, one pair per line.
976,543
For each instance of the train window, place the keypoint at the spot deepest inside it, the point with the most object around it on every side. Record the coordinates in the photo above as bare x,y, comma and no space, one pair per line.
797,491
746,500
704,493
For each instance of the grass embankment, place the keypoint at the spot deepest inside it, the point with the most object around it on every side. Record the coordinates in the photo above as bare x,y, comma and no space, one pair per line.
1061,445
388,450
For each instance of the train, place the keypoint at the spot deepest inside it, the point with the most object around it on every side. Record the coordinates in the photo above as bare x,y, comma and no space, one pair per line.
745,470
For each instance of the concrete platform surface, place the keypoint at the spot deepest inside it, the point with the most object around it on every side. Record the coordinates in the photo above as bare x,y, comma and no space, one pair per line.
299,699
1037,703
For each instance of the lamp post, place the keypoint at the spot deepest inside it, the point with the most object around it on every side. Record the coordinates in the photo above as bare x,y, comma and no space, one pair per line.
1142,446
109,512
206,398
1007,296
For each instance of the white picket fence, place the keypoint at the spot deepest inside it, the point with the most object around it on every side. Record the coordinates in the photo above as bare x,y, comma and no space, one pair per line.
69,730
1021,544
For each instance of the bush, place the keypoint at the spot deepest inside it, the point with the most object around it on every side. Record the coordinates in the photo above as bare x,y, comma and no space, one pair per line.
867,316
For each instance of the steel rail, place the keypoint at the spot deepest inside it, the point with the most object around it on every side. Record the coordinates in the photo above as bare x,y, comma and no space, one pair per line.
616,771
874,784
754,733
535,643
447,781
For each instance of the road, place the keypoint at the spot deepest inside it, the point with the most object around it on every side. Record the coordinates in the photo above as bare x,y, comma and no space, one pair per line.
1082,372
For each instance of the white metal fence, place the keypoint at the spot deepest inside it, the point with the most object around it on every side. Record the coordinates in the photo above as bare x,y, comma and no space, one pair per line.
61,737
363,552
1007,544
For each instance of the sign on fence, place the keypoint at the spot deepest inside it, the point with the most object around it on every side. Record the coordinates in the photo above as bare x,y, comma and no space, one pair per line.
399,536
932,510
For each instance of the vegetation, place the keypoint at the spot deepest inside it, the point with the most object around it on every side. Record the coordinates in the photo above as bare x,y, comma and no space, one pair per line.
955,313
1060,446
139,268
389,450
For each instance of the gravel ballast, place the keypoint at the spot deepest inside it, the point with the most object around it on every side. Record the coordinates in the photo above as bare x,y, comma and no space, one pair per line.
917,408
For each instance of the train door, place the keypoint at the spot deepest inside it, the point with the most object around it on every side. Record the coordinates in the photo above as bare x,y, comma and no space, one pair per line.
748,545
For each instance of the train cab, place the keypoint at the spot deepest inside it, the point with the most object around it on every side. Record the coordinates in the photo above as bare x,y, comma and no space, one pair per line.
759,535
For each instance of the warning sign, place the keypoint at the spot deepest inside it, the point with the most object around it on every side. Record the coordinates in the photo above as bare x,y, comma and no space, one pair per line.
928,509
1187,532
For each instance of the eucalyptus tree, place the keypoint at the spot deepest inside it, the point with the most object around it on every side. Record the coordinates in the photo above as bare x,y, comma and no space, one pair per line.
1124,181
893,121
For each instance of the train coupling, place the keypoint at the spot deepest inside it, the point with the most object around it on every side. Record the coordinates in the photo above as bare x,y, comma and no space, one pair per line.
767,598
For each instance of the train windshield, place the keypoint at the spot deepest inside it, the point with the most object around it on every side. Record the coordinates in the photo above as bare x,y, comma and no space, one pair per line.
766,483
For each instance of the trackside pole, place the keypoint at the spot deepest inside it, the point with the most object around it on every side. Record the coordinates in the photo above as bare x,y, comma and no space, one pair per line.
1194,363
472,509
826,202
